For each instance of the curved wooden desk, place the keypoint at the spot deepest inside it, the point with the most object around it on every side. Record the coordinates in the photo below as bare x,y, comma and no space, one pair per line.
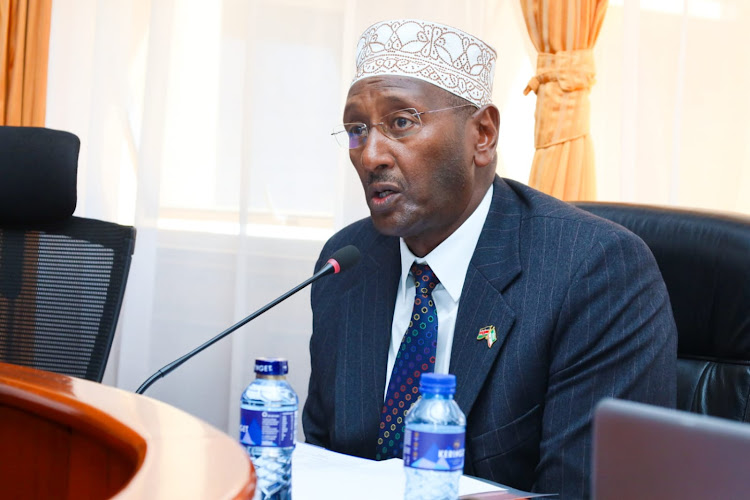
63,437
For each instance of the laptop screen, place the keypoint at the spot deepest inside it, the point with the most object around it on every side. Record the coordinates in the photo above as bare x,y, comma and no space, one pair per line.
647,452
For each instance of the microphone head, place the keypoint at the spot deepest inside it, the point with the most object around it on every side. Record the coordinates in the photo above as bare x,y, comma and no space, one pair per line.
344,258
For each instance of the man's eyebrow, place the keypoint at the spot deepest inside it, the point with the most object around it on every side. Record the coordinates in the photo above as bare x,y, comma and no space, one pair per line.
351,113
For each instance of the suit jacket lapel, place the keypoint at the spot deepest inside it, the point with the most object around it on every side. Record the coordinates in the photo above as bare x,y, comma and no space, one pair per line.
495,264
363,363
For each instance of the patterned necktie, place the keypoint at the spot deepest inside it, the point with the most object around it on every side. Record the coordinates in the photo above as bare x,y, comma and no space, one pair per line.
416,355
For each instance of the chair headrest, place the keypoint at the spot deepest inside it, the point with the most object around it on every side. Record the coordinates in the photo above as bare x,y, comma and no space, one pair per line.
704,258
38,169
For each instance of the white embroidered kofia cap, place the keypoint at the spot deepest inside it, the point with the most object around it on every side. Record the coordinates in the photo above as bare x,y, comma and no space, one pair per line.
441,55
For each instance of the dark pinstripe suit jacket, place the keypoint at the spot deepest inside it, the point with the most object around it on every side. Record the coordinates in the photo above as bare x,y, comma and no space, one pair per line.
581,313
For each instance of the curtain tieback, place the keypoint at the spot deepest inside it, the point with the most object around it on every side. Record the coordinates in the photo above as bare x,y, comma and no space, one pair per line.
572,70
562,110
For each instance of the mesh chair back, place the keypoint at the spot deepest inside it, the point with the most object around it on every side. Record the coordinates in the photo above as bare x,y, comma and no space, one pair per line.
705,261
61,288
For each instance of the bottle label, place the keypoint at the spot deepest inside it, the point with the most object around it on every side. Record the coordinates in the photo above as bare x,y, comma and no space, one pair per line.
267,428
433,451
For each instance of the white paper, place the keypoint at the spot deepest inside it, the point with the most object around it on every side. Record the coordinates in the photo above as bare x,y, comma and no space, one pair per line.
321,474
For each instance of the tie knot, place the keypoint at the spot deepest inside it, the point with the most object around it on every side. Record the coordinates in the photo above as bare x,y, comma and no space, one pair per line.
424,278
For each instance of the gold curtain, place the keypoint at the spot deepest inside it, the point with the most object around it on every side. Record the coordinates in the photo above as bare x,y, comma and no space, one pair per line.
24,49
564,33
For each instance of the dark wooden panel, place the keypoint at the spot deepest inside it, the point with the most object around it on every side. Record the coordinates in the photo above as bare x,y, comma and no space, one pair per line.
45,459
34,455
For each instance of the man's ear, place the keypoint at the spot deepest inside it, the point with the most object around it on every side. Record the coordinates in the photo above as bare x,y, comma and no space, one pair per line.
487,122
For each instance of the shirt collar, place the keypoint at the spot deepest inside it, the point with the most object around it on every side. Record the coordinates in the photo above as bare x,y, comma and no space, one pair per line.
450,259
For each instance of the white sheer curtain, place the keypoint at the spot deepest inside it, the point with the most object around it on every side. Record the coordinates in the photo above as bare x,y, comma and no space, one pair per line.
206,125
670,119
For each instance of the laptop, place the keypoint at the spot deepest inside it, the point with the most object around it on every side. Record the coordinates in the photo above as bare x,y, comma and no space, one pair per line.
647,452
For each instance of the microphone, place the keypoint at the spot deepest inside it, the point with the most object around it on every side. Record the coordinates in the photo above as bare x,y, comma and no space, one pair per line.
342,260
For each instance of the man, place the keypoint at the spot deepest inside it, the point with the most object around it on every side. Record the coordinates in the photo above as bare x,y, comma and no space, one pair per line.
541,309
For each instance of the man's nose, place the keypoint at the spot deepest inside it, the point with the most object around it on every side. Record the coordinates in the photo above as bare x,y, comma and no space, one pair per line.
376,151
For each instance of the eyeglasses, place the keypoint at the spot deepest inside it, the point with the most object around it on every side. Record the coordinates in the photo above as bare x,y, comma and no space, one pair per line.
396,126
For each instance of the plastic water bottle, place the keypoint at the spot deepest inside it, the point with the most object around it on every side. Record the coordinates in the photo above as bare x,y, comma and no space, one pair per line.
268,426
434,434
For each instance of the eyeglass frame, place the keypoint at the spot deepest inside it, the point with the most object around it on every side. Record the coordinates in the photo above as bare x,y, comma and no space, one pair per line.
387,131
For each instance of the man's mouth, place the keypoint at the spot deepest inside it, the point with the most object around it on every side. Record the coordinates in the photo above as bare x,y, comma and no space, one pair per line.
382,191
382,196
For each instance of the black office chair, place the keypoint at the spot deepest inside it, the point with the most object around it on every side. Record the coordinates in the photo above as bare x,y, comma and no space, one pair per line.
705,261
62,278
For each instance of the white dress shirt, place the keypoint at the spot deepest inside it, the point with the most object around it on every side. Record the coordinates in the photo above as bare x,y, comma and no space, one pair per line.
449,261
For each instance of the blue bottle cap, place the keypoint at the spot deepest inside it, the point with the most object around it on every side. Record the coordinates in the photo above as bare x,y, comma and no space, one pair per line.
271,366
437,383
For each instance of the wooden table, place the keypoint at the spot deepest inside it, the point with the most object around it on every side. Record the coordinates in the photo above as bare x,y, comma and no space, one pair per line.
63,437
